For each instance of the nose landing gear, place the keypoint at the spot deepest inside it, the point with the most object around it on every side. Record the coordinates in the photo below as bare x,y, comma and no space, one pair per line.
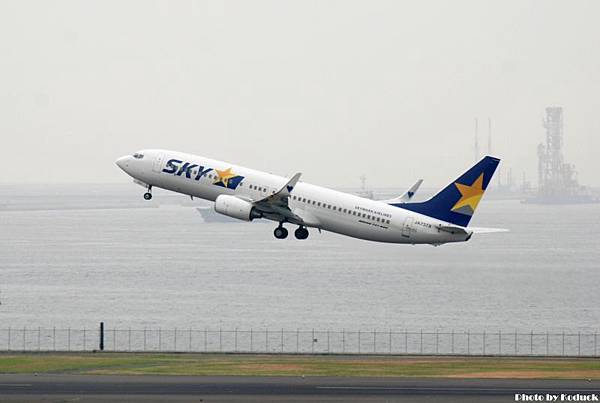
280,232
301,233
148,194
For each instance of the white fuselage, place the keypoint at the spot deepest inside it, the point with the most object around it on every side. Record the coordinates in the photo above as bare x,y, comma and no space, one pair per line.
320,207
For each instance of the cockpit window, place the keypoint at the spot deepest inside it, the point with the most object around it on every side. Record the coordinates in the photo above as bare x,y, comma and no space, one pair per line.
139,156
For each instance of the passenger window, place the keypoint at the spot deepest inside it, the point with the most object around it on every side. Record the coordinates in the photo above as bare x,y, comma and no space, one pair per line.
319,204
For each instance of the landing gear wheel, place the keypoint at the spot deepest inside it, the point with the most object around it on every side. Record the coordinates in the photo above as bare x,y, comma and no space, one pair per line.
301,233
147,196
280,233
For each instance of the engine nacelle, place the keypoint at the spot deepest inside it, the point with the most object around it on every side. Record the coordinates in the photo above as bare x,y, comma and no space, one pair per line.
232,206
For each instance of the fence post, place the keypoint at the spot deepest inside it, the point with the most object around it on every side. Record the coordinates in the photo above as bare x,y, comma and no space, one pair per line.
452,348
282,340
190,340
595,344
437,341
313,341
531,343
405,341
579,343
144,339
421,348
483,349
328,349
40,337
8,348
83,339
374,341
159,339
205,339
499,342
359,342
516,342
390,341
24,332
129,340
563,343
220,339
68,339
101,336
343,340
235,340
54,338
175,340
114,339
297,340
468,342
251,341
267,340
547,343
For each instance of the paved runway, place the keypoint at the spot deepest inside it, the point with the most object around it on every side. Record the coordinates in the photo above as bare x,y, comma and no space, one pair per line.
90,388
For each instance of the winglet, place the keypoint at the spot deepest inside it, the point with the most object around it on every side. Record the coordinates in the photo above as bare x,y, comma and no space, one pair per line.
411,191
289,186
286,190
406,196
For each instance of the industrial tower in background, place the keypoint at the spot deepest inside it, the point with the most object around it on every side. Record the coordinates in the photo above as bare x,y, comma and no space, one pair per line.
557,180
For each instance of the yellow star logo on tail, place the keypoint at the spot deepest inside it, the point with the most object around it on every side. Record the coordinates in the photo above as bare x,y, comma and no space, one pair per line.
470,196
224,176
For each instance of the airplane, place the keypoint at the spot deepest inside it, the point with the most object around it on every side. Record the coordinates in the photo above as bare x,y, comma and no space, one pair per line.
248,194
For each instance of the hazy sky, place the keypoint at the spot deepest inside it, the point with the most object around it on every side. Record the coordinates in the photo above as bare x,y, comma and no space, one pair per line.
330,88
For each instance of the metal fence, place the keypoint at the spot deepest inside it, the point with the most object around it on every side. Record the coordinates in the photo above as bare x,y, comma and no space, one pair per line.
303,341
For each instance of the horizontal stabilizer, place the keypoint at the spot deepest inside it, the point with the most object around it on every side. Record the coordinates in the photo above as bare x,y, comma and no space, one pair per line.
453,229
480,230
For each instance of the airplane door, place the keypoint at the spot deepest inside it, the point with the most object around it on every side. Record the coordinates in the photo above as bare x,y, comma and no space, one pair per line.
158,163
407,228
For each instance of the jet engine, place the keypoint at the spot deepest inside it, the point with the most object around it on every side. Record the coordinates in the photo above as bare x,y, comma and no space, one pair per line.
235,207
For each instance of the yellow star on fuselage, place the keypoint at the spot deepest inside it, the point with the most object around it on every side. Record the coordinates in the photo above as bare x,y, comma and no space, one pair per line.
224,176
470,195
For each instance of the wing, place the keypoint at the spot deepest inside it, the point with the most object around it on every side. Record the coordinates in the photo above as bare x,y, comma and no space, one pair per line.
276,207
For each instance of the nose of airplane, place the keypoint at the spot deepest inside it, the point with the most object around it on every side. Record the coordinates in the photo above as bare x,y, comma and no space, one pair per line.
123,162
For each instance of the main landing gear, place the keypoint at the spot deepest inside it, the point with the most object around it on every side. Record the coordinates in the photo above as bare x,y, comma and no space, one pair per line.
301,233
148,194
280,232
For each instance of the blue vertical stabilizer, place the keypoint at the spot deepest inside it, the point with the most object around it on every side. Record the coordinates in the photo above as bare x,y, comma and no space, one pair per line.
456,203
